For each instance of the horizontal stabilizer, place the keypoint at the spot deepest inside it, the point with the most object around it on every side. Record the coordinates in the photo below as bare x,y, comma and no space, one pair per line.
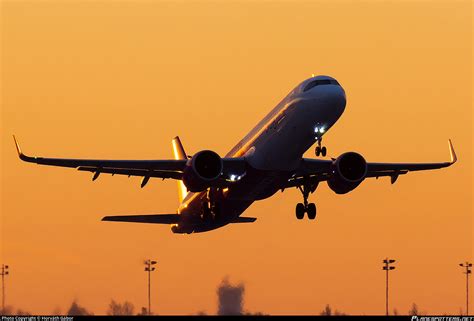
244,220
151,218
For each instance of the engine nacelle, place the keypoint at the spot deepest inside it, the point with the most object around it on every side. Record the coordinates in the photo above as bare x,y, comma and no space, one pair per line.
202,170
348,171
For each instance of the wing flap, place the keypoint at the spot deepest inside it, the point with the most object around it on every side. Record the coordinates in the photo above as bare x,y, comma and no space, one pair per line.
132,172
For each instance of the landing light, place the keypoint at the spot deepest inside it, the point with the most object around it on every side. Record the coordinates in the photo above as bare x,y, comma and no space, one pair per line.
234,178
319,130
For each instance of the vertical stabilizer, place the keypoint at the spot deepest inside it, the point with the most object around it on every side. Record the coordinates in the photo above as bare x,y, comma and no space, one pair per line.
179,153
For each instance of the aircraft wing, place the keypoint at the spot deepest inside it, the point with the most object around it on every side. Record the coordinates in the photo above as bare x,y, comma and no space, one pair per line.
145,168
316,170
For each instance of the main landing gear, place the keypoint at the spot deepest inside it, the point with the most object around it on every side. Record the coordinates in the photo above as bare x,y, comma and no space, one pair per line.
305,207
320,150
210,208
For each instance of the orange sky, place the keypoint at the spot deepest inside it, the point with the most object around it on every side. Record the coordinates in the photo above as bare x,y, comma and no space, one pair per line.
118,79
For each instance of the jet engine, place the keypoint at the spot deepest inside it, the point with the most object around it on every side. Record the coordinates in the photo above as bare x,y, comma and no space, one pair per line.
202,170
348,171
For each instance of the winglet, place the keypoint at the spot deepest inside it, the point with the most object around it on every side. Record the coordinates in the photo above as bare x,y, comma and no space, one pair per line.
22,156
18,149
452,153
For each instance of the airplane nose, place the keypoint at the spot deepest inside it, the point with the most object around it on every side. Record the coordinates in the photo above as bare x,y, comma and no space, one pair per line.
335,100
341,100
327,97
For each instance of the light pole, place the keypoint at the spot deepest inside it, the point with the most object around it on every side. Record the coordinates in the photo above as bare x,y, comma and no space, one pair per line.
149,268
387,268
467,266
3,273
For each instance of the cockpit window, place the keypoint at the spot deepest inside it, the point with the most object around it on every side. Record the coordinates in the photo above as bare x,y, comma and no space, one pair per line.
320,82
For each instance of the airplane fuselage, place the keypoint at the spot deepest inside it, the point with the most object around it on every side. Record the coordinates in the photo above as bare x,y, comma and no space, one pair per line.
272,149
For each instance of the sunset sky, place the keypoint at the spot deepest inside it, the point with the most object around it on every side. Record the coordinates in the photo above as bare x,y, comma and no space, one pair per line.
120,79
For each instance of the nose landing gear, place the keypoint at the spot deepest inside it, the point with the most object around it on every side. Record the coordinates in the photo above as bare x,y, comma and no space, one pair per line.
305,207
320,150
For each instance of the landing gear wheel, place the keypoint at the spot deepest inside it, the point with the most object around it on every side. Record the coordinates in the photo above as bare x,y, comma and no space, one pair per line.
300,211
323,151
311,210
317,151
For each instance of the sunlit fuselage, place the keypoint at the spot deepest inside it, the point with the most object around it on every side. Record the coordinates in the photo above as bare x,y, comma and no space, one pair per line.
275,146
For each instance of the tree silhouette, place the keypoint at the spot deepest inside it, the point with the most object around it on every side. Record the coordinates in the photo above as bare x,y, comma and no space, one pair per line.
413,310
22,312
9,310
75,309
116,308
327,310
144,311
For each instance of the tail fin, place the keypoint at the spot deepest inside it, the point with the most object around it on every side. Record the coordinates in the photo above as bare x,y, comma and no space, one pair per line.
179,153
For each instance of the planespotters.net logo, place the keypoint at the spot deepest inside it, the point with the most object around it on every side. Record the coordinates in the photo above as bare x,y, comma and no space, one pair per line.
416,318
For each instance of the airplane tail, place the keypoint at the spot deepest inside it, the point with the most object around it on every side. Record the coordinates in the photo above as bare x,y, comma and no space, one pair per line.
154,218
179,153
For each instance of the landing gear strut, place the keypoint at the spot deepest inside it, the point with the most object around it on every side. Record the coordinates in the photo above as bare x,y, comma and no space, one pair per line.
320,150
305,207
210,208
206,214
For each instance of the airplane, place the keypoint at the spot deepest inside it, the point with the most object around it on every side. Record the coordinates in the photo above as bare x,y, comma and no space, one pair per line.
214,191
